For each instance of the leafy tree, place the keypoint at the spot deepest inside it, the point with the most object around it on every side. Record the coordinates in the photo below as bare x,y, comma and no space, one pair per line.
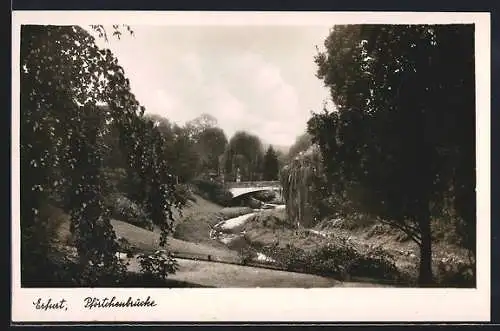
271,165
302,143
245,151
403,137
211,144
196,126
65,78
180,150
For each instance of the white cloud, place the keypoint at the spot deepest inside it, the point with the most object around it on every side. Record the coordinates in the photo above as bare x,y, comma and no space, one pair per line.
191,62
257,85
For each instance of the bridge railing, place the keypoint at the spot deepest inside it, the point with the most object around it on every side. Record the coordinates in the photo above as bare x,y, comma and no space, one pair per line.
231,185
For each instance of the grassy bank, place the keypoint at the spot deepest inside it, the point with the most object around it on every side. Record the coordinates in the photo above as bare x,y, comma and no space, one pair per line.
348,250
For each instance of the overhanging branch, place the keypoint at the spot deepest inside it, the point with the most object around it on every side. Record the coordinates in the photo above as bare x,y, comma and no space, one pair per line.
409,230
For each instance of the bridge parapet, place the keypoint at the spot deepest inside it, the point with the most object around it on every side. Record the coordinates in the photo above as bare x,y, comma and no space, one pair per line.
231,185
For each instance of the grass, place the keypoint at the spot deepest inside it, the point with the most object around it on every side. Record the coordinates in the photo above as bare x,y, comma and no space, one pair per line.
209,274
228,275
232,212
270,227
196,209
195,226
146,240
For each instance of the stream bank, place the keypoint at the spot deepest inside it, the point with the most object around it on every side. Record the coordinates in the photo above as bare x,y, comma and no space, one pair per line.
231,232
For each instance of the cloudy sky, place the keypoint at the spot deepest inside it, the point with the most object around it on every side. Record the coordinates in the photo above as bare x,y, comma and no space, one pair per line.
253,78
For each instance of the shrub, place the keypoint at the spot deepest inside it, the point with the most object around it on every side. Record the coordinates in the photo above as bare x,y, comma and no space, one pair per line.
213,191
457,274
183,194
290,258
157,266
124,209
335,260
377,264
265,196
124,246
246,255
102,274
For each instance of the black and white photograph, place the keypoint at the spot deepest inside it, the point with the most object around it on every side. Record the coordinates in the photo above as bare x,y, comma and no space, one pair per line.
322,155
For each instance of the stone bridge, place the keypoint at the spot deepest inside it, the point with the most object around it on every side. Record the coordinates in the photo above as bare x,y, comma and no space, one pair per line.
239,189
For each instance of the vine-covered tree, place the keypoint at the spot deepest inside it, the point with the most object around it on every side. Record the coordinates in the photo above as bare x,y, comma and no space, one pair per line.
65,80
403,137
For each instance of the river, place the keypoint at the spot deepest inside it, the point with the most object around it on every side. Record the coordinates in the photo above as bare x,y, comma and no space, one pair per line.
230,230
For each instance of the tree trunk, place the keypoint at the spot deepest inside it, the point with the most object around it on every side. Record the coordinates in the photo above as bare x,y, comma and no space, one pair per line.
425,278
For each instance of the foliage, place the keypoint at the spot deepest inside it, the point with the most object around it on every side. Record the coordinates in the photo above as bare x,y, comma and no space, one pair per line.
244,152
158,265
304,188
270,166
265,196
194,149
402,136
213,191
196,126
302,143
211,143
246,255
458,274
339,260
123,209
125,246
65,81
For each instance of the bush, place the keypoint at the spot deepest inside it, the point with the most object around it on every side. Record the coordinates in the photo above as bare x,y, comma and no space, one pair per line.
445,229
213,191
101,275
124,209
124,246
157,266
377,264
246,255
183,194
265,196
456,274
290,258
340,260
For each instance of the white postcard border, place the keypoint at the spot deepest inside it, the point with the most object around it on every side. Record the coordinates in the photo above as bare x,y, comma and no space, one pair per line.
336,304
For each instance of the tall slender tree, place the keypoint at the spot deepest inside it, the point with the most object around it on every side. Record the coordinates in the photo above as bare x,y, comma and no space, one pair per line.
270,167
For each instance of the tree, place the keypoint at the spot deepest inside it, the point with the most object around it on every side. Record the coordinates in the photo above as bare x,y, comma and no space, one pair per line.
196,126
180,152
303,182
403,136
270,167
249,149
302,143
211,144
65,78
